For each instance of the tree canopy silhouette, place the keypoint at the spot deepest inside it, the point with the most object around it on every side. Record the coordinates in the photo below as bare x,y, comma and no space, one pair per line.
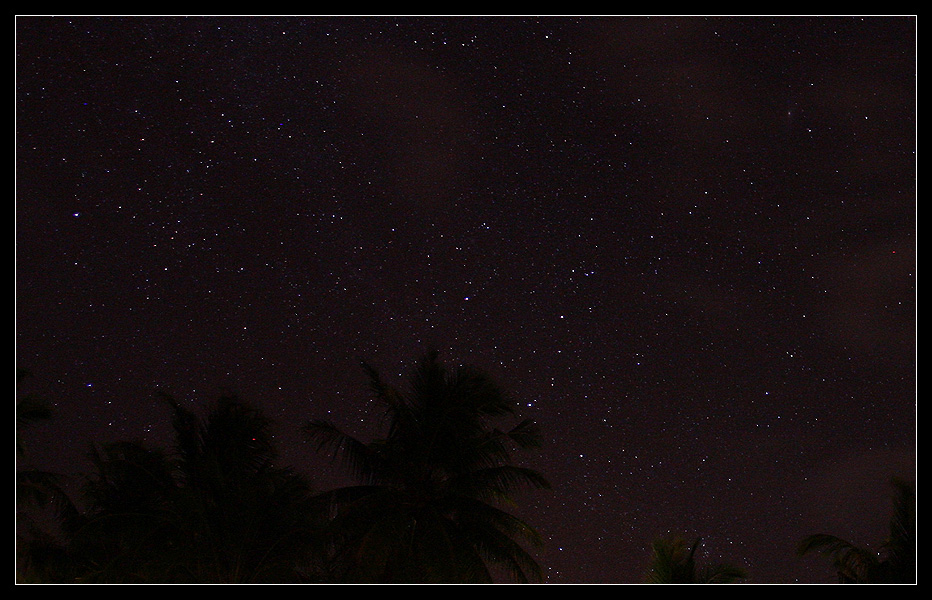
673,560
894,562
425,509
43,508
213,509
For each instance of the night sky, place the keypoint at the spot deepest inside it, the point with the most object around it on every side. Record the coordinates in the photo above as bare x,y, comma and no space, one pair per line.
686,246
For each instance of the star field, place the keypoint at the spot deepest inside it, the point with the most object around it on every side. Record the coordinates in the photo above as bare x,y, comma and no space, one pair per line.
686,246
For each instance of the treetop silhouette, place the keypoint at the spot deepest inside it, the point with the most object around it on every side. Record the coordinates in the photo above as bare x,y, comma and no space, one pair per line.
427,507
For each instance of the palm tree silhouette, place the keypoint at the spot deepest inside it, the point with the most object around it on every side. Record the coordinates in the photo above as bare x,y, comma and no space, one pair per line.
257,521
673,561
424,510
127,532
895,562
44,511
215,509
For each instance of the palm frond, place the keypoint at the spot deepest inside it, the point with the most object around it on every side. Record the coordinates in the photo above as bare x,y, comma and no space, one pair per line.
43,488
357,456
401,416
237,438
853,563
672,561
501,550
480,516
825,544
31,410
499,482
422,503
189,432
477,393
901,544
526,434
128,476
493,447
720,574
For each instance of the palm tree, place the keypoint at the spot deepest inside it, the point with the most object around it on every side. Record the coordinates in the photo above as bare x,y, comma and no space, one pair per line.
131,525
214,510
43,508
673,561
256,522
424,509
895,562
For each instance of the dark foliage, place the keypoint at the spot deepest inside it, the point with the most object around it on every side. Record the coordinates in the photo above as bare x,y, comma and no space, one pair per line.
425,508
673,560
216,509
894,562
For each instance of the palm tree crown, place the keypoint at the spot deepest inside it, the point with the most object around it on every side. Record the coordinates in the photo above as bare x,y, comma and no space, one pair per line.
215,509
673,561
895,562
424,509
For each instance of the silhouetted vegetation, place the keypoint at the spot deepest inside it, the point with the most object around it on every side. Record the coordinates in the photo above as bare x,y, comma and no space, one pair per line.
428,506
894,562
215,507
424,510
214,510
43,508
673,560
